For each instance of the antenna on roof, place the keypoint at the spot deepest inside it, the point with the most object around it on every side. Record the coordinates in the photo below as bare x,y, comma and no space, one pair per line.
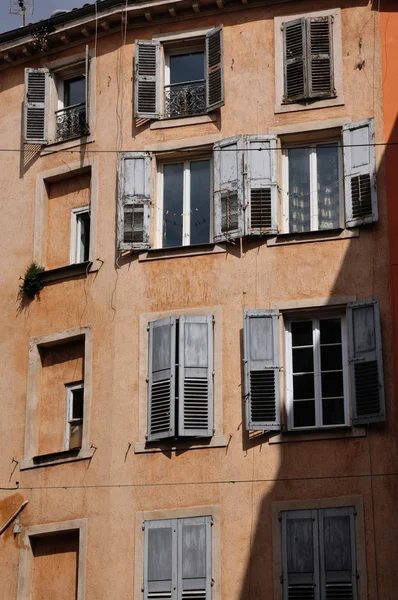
21,7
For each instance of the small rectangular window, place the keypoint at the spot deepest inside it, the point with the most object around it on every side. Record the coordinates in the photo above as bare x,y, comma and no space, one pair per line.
71,114
185,85
80,235
74,420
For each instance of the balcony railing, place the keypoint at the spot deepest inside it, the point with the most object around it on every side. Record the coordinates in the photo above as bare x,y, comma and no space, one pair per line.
71,122
185,99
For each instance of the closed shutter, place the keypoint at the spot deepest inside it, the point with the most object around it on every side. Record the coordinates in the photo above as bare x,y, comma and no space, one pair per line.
134,196
161,379
35,106
320,57
160,560
360,173
146,83
261,187
228,189
261,358
195,390
337,554
300,555
214,69
295,63
194,558
366,362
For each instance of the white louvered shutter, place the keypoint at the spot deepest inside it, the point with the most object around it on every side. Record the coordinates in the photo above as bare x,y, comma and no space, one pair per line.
320,57
36,106
134,195
261,358
194,558
195,390
295,63
161,379
228,189
214,69
261,190
360,173
366,362
146,82
160,560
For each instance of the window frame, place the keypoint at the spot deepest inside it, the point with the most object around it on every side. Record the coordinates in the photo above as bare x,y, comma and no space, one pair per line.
76,223
69,389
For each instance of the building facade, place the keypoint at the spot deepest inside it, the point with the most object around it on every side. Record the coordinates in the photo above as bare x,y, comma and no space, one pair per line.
199,401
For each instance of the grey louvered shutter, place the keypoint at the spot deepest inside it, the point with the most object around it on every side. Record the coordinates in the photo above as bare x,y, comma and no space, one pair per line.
320,57
360,173
366,362
261,187
295,61
300,555
195,389
36,106
147,81
228,189
160,560
261,358
134,195
337,551
194,558
214,69
161,379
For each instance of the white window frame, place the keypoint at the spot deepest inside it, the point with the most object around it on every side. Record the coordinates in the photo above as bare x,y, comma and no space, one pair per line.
70,388
75,246
186,221
313,182
315,318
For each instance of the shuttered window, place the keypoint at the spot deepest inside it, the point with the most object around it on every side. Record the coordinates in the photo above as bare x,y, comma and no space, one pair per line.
36,106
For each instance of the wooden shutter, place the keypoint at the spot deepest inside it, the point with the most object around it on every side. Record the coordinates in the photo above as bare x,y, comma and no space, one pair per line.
261,358
194,558
366,362
300,552
320,57
160,560
147,81
134,200
195,390
228,189
360,173
214,69
161,379
261,190
337,553
295,63
36,106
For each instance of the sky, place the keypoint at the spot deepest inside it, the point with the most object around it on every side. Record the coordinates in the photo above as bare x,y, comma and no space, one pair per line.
42,10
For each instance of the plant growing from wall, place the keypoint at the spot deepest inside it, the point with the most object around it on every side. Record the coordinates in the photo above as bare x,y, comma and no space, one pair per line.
33,280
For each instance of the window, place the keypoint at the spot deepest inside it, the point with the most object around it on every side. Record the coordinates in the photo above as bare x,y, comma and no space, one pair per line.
178,558
74,417
71,117
80,235
185,86
319,553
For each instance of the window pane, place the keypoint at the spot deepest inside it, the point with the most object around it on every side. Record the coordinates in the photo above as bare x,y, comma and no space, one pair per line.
328,178
173,204
187,67
332,385
333,411
331,358
303,360
84,237
302,333
77,403
200,202
330,331
303,387
299,189
304,414
75,91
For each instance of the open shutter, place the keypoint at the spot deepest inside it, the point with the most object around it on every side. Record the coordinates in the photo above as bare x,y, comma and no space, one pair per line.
360,173
35,106
195,390
261,358
337,554
295,63
161,379
134,200
300,563
320,57
194,558
160,560
228,189
366,362
214,69
146,83
261,190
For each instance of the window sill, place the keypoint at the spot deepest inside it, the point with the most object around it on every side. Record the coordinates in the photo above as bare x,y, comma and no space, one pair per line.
56,458
217,441
58,146
312,236
184,121
68,272
181,251
297,106
312,436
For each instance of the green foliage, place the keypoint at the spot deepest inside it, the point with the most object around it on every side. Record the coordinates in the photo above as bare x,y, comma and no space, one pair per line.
33,281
